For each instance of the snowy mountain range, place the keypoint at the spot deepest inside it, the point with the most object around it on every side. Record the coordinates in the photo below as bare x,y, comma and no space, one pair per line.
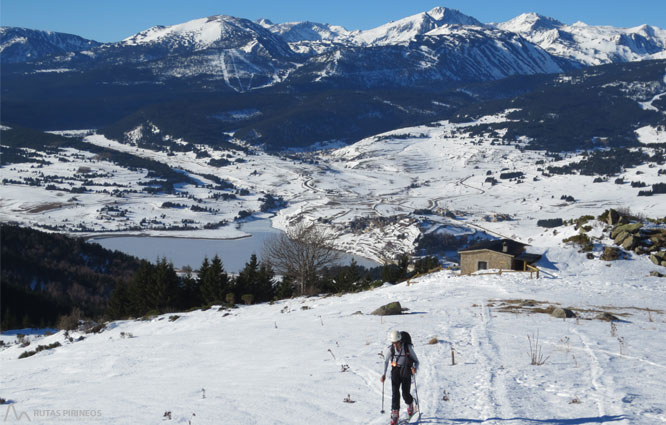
419,68
249,55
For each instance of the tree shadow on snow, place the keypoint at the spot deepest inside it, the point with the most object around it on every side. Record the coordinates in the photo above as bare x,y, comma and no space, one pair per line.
574,421
30,331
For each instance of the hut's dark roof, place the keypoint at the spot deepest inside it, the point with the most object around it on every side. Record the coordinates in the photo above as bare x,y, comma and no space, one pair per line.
513,247
529,258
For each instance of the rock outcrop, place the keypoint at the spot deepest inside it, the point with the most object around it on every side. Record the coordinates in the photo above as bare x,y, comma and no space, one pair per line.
643,238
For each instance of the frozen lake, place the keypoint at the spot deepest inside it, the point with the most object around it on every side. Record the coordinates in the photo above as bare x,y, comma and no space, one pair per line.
191,251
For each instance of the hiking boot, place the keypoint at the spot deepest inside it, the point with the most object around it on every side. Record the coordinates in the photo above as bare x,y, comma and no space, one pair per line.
410,409
394,417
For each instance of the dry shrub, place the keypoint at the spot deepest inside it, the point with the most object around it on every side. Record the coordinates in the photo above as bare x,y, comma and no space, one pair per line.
536,354
71,321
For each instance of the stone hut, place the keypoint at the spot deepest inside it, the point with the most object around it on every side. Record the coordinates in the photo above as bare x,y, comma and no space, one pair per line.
503,254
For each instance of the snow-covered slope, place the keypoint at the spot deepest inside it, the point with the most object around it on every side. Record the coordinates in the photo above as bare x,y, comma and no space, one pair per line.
296,361
294,32
22,44
444,54
237,51
406,29
588,44
216,31
310,38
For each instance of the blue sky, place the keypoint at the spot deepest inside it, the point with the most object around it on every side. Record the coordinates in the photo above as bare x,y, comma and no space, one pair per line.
114,20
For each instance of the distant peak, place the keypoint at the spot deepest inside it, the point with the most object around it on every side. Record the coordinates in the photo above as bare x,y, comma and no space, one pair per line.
437,12
451,16
531,22
264,22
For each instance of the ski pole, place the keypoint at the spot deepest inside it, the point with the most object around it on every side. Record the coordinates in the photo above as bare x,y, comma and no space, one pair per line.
382,398
416,391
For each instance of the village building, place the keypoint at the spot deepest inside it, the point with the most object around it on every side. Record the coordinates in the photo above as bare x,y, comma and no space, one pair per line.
502,254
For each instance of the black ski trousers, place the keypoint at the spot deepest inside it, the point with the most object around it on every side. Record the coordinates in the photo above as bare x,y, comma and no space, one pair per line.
396,382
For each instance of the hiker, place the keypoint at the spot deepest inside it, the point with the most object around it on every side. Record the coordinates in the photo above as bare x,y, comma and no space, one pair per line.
404,364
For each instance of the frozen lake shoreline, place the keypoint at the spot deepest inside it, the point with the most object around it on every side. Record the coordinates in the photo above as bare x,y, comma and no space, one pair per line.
190,251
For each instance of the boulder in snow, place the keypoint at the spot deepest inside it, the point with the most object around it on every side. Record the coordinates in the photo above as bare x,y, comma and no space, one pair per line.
562,313
610,253
630,242
630,228
390,309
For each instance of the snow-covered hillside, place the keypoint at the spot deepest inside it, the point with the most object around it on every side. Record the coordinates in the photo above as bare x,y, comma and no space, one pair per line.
296,361
442,166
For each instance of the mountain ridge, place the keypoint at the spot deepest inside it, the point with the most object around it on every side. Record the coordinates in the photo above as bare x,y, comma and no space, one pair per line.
21,44
579,42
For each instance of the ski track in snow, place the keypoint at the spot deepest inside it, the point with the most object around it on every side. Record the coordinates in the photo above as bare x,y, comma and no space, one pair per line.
604,387
262,366
295,361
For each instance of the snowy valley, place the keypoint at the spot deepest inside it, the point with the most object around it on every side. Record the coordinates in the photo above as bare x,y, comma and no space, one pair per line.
438,178
410,141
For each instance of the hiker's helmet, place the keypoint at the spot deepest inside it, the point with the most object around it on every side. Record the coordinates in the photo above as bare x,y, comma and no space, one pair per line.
395,336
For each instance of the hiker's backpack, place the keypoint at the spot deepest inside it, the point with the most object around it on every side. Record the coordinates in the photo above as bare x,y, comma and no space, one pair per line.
406,340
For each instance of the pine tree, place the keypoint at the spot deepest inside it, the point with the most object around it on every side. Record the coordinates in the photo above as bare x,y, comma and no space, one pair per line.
201,279
119,302
203,269
396,272
285,288
265,283
246,283
139,289
164,290
214,282
7,320
347,277
26,323
192,292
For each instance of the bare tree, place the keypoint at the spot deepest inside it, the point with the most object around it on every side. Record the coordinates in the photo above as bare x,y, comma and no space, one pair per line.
301,253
